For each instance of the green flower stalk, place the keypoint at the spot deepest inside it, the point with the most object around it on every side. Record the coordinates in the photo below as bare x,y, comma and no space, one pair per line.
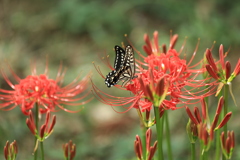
192,132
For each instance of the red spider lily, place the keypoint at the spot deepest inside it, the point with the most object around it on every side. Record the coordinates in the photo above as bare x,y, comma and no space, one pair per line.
45,130
150,149
69,150
192,131
157,65
10,150
46,93
202,124
221,72
228,144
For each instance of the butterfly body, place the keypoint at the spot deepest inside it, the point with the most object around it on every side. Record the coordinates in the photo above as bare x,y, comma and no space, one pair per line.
124,67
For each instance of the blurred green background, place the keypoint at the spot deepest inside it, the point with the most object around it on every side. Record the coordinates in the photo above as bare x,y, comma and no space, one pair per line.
78,32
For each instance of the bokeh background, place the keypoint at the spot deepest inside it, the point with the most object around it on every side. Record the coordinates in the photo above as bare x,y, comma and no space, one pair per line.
78,32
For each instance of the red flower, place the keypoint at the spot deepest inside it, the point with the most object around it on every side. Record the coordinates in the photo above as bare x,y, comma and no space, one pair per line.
45,130
180,83
46,93
69,150
221,70
10,150
202,124
150,149
228,144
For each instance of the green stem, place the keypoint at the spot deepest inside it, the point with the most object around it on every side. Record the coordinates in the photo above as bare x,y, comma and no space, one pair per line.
226,91
144,150
144,129
218,145
193,151
218,133
225,109
202,157
42,150
159,128
36,123
168,136
204,153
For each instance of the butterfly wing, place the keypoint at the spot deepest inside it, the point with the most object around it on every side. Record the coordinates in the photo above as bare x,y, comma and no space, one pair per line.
128,71
119,58
130,60
126,75
124,67
112,78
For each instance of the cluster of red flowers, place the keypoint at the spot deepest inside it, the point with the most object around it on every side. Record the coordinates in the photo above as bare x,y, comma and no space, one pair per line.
46,93
200,127
180,84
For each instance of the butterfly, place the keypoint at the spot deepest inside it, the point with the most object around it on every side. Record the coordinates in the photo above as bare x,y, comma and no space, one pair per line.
124,66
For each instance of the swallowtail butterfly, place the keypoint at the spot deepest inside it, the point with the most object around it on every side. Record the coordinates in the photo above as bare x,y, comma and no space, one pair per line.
124,66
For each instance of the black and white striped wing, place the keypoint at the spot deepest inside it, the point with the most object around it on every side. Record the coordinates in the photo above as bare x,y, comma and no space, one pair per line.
113,77
128,70
119,58
124,68
130,60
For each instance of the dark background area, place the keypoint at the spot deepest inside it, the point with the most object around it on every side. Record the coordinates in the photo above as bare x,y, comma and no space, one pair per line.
78,32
